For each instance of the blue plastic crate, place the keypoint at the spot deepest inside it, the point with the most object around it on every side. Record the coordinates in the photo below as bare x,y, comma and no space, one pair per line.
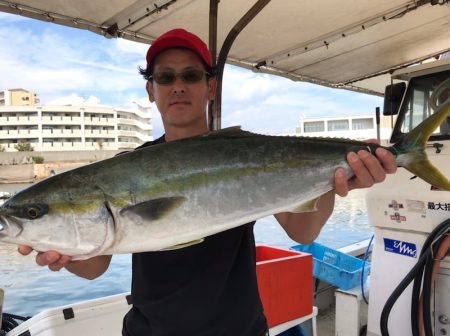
337,268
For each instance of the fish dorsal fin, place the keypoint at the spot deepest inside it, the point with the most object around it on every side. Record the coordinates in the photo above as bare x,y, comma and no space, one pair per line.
307,206
230,132
155,208
180,246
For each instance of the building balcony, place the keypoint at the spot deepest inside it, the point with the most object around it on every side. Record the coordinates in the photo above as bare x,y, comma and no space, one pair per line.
58,133
134,134
124,121
61,120
68,145
20,133
133,122
19,120
99,133
59,145
99,121
11,146
128,145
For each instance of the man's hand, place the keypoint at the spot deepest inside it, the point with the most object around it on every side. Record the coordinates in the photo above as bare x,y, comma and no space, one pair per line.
369,169
52,259
88,268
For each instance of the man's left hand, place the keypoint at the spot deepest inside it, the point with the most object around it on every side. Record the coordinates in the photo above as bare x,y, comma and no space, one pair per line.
368,169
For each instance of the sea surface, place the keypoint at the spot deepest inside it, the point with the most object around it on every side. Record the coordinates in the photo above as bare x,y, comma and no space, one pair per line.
29,288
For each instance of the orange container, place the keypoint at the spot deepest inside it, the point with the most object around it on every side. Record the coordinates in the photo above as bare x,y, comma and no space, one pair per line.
285,283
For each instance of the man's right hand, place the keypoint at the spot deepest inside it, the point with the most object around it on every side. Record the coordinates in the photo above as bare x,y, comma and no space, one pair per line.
52,259
88,269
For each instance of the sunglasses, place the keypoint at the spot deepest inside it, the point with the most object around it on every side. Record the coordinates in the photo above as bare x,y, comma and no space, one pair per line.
187,76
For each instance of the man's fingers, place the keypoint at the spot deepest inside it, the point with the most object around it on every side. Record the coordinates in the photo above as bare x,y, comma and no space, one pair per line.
54,260
340,182
368,169
387,160
373,171
47,258
61,263
358,162
24,250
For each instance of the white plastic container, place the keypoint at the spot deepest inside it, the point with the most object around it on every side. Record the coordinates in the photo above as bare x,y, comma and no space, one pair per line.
102,316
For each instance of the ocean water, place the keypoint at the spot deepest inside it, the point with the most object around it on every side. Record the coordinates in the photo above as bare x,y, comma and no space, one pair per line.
29,288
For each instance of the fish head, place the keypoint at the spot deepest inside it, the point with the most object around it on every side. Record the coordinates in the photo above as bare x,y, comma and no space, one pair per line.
79,226
14,218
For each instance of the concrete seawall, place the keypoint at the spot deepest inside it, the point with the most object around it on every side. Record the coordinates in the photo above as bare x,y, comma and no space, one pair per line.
22,173
14,158
18,167
28,173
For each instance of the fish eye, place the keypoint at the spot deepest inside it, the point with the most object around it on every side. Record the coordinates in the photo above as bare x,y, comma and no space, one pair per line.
32,213
29,211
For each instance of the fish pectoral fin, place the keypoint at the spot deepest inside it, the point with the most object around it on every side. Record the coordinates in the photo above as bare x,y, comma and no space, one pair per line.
180,246
307,206
155,208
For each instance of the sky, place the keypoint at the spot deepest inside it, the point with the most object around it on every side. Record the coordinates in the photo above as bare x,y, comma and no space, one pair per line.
71,66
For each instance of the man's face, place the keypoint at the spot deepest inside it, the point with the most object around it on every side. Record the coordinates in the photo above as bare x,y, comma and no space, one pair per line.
181,104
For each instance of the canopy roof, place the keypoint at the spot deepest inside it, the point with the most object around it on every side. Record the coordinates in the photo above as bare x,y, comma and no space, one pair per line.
333,43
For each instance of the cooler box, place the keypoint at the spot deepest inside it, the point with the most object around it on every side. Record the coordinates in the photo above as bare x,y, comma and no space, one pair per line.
97,317
336,268
285,283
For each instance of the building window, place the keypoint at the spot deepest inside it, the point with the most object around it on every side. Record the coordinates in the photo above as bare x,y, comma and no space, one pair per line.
338,125
313,126
363,123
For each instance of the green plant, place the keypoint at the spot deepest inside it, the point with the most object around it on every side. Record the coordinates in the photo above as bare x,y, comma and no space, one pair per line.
37,159
24,147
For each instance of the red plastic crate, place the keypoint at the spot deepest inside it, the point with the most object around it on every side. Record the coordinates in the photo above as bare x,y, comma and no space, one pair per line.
285,283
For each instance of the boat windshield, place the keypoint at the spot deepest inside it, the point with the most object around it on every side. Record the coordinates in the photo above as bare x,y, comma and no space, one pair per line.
417,105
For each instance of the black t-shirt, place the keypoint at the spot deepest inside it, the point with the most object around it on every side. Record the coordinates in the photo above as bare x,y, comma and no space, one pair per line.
208,289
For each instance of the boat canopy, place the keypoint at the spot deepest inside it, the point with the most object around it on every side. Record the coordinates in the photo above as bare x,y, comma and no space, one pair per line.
349,44
335,43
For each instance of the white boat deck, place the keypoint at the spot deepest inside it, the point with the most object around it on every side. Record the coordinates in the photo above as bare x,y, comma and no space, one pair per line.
103,316
326,322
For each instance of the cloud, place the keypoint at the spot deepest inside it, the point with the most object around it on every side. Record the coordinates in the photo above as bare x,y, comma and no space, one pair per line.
55,63
273,104
62,64
75,99
128,48
243,86
6,18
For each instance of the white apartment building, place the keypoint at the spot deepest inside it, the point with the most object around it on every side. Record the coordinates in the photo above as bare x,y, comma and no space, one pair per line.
71,127
352,127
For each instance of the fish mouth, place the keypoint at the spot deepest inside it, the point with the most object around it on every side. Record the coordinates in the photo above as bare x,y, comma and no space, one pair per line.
10,227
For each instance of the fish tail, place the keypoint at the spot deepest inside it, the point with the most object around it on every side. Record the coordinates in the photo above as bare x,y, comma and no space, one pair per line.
410,151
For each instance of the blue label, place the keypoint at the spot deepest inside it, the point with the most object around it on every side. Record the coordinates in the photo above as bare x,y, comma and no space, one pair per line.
400,247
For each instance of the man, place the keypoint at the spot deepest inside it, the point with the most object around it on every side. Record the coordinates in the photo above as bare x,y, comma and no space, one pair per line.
209,288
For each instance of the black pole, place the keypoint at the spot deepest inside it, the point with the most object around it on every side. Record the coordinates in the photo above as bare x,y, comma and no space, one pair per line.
377,117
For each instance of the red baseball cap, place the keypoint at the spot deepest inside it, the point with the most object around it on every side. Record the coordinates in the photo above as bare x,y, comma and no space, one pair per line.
179,38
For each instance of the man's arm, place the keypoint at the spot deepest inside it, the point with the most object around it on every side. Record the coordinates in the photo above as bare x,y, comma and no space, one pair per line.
88,269
368,169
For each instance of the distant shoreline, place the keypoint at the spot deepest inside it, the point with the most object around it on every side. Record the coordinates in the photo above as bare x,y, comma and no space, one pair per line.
33,172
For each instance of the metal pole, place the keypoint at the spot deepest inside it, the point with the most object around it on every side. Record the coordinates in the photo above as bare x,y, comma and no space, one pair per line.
2,293
215,121
377,118
213,12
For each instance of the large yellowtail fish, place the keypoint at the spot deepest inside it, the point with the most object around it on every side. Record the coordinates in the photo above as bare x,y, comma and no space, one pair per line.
174,194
